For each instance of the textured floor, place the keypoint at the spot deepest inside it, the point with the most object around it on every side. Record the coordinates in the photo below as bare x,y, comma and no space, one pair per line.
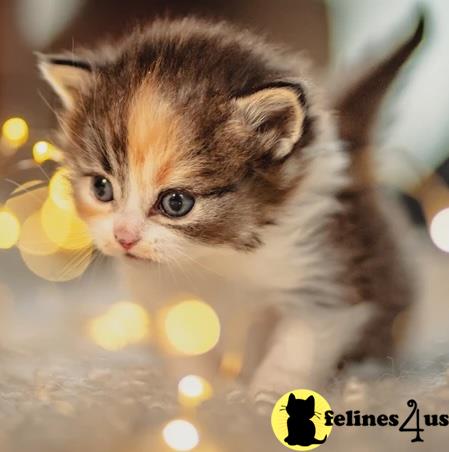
59,392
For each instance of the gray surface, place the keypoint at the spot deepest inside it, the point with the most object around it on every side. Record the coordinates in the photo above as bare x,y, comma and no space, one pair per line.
59,392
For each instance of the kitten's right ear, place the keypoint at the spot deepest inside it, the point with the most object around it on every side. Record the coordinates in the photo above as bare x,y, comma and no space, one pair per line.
276,114
66,75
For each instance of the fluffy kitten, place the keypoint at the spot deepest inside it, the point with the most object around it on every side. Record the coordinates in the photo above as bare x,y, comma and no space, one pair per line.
201,156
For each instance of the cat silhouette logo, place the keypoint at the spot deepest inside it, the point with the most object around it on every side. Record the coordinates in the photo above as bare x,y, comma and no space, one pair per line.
298,420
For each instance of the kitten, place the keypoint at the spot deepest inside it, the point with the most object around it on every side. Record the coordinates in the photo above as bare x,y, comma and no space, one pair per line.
202,157
301,429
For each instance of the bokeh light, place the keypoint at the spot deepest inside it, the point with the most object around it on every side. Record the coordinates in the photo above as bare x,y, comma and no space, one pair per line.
231,364
63,226
181,435
59,218
193,390
61,190
125,323
33,239
439,230
15,131
27,199
43,151
9,229
60,266
192,327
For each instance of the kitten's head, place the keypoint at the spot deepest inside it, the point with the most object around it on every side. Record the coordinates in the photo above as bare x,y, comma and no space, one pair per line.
301,408
186,134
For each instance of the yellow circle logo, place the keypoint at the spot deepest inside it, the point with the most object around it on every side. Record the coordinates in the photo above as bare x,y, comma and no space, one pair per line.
298,420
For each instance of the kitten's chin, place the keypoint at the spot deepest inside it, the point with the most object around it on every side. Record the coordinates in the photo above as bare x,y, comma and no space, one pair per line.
133,257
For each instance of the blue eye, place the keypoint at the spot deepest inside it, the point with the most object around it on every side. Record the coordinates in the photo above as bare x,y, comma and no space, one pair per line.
176,203
102,189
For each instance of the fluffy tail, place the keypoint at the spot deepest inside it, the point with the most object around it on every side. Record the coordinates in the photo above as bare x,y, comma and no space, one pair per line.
358,105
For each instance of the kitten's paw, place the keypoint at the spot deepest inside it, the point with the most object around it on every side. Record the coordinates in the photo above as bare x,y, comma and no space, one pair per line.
237,396
264,402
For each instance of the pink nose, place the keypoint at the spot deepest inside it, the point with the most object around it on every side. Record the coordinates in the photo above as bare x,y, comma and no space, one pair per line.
127,239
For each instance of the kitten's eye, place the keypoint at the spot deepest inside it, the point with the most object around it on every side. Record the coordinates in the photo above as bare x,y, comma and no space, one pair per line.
175,203
102,189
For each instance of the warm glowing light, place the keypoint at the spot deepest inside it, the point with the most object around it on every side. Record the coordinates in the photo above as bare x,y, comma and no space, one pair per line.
439,230
193,390
191,386
28,199
63,227
33,239
15,131
192,327
60,266
61,190
231,364
43,151
125,323
181,435
9,229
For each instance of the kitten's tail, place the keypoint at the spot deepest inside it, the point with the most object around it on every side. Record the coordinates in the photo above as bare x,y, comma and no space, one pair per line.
358,105
319,441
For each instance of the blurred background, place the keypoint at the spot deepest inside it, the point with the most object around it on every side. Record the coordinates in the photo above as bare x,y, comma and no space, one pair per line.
65,319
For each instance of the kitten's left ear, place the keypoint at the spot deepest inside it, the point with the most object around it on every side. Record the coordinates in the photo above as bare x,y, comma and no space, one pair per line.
276,114
67,76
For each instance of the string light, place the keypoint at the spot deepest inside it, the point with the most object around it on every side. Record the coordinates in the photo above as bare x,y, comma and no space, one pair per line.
15,131
439,230
231,364
43,151
9,229
181,435
192,327
125,323
193,390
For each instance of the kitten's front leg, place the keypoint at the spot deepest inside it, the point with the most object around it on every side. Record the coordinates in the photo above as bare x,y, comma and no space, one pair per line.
306,348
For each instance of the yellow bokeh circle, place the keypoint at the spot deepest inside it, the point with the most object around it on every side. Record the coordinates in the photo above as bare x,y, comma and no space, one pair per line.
60,266
124,323
43,151
193,390
192,327
298,420
63,227
27,199
181,435
9,229
33,239
60,190
15,131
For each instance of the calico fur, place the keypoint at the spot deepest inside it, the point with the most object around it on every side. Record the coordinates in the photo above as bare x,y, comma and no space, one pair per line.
285,214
